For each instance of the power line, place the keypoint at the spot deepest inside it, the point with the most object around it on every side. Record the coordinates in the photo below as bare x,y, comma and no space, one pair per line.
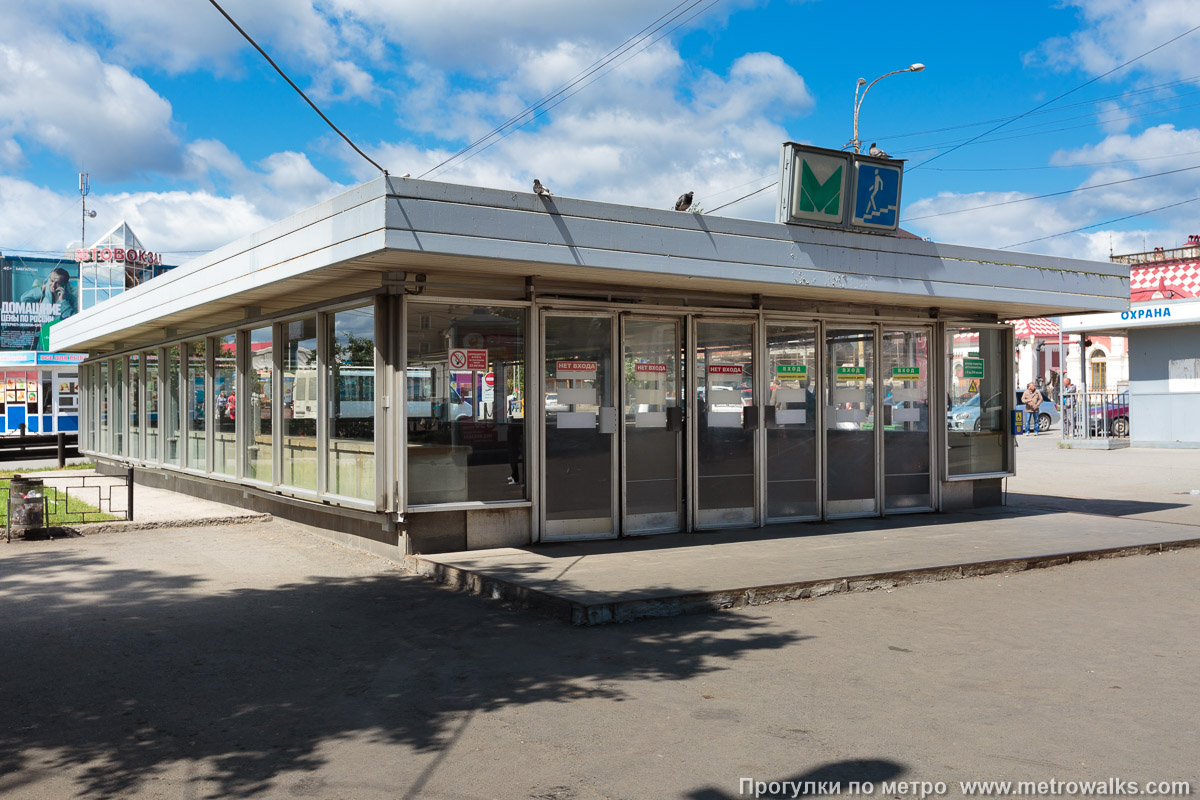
743,197
1052,194
1106,222
1061,96
598,64
283,75
562,100
1064,166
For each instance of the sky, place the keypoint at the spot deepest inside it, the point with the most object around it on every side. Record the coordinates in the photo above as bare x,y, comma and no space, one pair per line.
190,136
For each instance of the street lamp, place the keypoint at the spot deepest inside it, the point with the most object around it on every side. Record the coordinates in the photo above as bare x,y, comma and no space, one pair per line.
858,101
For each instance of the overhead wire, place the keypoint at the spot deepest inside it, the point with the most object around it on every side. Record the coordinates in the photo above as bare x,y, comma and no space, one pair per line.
292,83
542,112
1061,96
597,65
1099,224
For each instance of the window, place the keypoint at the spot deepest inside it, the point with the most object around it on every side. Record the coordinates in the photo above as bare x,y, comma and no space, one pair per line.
224,405
171,424
351,458
978,400
118,406
300,403
1097,371
135,380
255,403
103,444
152,395
465,393
196,398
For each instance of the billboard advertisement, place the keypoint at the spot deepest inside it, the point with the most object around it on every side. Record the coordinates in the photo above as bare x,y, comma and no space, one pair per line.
33,296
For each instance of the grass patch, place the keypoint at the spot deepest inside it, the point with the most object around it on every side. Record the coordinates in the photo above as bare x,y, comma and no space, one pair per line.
5,474
61,509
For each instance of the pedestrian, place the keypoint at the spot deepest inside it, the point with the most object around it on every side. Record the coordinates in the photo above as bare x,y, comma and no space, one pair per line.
1068,406
1033,407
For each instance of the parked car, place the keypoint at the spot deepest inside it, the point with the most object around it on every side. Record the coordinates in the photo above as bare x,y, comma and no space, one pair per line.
966,415
1111,417
1048,413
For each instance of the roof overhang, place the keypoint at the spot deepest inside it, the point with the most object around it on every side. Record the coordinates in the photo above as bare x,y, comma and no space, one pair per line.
349,244
1151,314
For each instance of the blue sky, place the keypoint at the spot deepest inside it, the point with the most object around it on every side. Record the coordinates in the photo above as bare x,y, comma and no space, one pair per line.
193,139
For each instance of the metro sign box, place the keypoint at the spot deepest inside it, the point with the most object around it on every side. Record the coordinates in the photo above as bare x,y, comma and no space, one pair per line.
818,186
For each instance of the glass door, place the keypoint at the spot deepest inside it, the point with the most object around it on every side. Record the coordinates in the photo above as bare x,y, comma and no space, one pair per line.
850,454
791,422
579,422
727,422
907,452
652,428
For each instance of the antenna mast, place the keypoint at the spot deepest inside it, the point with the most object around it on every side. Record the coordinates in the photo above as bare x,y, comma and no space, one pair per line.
85,186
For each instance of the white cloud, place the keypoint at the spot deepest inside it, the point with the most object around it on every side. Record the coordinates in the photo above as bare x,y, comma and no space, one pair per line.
1117,30
62,97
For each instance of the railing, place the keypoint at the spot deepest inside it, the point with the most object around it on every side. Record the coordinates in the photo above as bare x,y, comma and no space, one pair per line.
1095,415
1185,253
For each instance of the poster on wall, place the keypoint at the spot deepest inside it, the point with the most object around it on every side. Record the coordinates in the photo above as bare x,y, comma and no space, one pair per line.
33,296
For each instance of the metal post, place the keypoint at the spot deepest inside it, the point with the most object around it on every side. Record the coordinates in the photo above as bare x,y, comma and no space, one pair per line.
129,499
21,427
62,449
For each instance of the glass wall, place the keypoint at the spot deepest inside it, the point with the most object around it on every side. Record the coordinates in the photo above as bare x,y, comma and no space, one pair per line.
791,421
906,447
465,390
224,405
135,381
350,460
300,403
195,398
256,405
850,421
171,424
979,400
726,423
153,388
118,406
103,444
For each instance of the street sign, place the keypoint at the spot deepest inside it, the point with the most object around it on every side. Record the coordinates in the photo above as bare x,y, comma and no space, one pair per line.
973,387
876,195
489,380
972,367
818,186
463,359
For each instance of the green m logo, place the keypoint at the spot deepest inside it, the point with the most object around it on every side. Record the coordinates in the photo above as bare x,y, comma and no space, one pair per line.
818,197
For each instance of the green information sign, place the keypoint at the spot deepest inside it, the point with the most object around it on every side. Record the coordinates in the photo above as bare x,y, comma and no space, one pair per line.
851,373
791,371
972,367
906,373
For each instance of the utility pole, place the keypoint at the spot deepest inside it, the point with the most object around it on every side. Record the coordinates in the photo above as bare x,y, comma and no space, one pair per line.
85,186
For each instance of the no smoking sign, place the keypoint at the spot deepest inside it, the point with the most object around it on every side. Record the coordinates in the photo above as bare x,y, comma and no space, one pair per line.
461,358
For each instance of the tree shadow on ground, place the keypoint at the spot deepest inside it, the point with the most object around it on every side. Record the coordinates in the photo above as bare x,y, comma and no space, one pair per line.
119,673
811,783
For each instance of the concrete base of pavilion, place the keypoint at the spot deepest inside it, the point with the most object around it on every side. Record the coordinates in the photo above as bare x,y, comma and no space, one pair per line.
597,582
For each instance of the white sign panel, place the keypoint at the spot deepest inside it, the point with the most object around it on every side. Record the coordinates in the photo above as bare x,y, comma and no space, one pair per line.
576,419
575,370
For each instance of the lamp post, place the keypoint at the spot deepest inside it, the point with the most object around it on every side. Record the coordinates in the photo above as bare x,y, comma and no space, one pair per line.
858,101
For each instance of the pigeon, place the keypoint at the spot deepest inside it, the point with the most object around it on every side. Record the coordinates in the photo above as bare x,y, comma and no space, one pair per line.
875,151
684,202
540,190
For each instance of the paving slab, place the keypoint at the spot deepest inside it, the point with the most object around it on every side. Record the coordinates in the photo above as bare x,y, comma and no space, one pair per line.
152,508
605,581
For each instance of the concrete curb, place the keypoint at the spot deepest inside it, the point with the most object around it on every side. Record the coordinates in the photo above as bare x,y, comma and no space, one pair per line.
583,614
93,528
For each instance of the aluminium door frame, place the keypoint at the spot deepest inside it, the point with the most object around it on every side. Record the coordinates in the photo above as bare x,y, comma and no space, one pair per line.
614,451
680,322
875,328
932,356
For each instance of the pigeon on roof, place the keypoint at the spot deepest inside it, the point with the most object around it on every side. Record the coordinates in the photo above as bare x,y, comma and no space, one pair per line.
684,202
875,151
539,189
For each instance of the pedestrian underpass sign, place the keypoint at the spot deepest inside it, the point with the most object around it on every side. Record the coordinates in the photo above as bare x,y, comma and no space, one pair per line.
876,195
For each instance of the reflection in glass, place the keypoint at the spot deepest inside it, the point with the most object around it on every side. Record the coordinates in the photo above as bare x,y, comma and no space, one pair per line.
578,377
850,421
103,444
256,404
652,426
726,423
135,429
196,399
171,423
464,389
118,406
152,394
977,401
300,403
906,461
351,456
791,422
224,405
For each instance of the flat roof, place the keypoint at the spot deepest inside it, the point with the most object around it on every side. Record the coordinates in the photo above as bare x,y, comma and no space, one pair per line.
349,244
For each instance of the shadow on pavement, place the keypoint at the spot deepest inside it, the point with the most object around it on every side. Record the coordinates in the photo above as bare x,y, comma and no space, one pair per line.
1090,505
119,673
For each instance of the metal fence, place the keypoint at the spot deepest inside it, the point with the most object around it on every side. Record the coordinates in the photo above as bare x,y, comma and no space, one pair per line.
1095,415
